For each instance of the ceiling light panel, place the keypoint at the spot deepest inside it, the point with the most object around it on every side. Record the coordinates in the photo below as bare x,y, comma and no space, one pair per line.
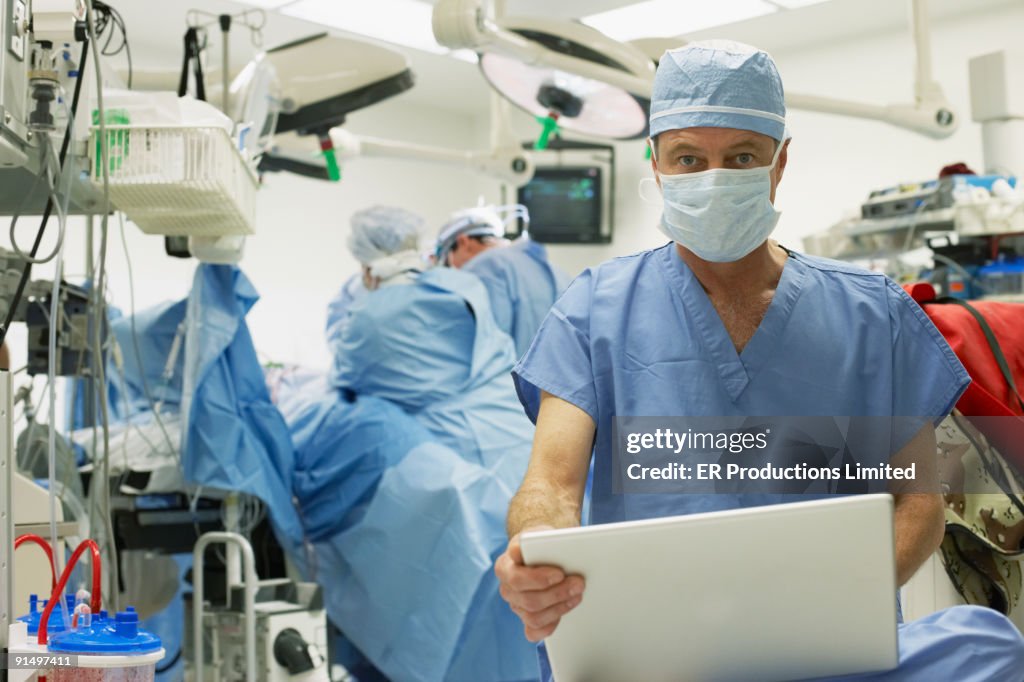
668,18
266,4
402,22
794,4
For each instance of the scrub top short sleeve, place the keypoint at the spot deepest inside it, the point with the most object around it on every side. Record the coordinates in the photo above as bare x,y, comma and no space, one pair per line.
928,378
559,361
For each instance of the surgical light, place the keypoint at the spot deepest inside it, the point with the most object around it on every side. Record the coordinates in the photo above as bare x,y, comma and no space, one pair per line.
581,104
555,69
477,25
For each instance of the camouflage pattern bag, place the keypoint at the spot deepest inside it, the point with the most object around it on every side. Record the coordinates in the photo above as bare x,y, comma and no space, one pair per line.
984,503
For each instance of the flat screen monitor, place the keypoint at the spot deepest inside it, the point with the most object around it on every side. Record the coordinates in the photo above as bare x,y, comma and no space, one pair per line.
566,205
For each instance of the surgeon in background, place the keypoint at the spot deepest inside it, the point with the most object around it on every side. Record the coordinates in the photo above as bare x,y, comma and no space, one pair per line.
521,283
426,340
378,233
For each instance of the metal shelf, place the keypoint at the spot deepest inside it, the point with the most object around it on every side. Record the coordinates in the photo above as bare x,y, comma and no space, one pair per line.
65,529
939,219
886,237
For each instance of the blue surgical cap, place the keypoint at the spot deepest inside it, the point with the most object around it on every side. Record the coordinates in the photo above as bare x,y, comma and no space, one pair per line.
381,231
718,84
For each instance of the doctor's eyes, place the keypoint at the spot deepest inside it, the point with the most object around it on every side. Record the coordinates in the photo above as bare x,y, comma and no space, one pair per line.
691,163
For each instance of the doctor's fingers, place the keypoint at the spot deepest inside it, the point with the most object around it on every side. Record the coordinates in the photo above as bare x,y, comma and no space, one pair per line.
548,617
536,635
539,626
520,577
537,601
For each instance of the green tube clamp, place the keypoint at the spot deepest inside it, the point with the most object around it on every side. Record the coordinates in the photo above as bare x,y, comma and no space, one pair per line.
550,127
333,169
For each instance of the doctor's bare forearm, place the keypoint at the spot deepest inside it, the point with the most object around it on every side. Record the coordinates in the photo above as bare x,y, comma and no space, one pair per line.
919,529
552,491
919,517
539,504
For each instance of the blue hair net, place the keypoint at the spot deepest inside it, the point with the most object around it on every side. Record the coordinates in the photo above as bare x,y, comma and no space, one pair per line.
718,84
381,231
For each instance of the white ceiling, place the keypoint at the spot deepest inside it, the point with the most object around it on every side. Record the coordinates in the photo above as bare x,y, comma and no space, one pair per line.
561,9
156,29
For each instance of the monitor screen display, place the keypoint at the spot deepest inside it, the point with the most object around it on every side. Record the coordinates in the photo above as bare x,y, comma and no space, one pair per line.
564,205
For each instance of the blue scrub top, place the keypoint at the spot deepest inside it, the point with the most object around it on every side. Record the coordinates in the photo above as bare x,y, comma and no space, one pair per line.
522,285
638,336
337,310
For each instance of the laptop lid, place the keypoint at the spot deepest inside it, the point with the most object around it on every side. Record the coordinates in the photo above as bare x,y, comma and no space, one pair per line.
784,592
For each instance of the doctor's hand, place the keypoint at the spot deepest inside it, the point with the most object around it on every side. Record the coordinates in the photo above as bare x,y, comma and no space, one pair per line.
539,595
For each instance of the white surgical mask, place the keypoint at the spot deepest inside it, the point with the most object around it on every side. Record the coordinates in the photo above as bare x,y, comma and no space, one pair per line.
722,214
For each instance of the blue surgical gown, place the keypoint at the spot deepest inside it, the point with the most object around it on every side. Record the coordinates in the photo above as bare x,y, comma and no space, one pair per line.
432,347
402,532
337,310
522,285
638,336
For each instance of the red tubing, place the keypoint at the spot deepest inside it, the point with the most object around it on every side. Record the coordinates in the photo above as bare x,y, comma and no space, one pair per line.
30,537
58,591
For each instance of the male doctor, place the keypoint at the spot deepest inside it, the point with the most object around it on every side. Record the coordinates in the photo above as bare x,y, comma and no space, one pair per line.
520,280
724,321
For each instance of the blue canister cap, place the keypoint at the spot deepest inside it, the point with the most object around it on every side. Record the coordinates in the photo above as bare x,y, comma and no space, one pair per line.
35,614
1004,264
118,637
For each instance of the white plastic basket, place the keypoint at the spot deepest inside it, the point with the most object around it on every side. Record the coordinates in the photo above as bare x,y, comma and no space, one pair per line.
177,180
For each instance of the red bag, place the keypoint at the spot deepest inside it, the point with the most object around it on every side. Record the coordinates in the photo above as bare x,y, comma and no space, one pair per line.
992,392
988,337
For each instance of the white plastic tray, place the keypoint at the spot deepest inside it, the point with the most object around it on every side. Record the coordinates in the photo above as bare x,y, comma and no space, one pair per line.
177,180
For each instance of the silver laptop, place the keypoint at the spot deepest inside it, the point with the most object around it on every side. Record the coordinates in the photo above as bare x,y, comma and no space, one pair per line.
786,592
